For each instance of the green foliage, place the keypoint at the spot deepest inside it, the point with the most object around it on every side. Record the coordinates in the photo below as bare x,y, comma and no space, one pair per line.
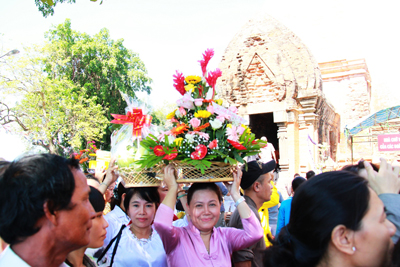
97,63
54,111
46,7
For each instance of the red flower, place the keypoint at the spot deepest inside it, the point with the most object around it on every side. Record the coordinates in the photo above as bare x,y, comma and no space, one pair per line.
170,156
159,150
199,153
213,144
83,160
208,54
179,83
212,77
237,145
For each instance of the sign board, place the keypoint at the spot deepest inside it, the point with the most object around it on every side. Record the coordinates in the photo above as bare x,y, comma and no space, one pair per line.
389,142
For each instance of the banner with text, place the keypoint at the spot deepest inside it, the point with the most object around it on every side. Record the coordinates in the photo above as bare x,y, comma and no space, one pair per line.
389,142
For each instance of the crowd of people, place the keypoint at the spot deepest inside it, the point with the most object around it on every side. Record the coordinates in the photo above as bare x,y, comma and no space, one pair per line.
54,215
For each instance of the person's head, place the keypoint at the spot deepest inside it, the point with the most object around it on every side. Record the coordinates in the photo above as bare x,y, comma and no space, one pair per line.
48,194
359,168
141,204
92,181
335,216
204,203
264,139
109,192
295,175
162,191
3,165
310,174
297,182
99,224
256,180
118,199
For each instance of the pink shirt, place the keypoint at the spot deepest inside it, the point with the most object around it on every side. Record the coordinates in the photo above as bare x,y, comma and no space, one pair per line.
184,246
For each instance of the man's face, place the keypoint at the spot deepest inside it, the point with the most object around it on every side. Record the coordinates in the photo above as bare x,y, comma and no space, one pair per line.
74,223
266,186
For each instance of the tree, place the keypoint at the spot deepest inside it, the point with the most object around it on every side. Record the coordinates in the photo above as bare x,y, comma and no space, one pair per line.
100,65
54,111
46,7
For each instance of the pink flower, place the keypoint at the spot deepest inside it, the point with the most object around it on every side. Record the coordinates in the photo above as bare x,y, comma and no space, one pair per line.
210,109
240,130
182,111
232,134
221,118
161,136
179,83
195,122
205,135
212,77
213,144
186,101
208,54
198,102
233,109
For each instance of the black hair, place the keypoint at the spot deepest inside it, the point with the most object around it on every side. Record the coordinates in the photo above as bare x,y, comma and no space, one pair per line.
150,194
117,198
319,205
91,177
359,166
310,174
297,182
204,186
96,199
29,183
3,166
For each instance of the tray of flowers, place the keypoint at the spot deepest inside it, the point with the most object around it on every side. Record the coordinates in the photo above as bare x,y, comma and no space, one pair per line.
206,139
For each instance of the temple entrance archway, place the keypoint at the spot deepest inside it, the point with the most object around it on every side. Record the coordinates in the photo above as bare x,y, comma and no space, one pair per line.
263,125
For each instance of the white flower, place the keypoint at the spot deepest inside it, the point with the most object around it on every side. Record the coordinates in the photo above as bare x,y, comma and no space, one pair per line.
216,124
189,138
171,139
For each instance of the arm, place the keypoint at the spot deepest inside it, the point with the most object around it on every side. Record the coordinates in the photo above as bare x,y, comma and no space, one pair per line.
281,219
111,177
386,184
243,208
165,213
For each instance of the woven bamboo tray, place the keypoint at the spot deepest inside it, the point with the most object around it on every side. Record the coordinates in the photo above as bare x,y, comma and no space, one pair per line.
217,172
142,177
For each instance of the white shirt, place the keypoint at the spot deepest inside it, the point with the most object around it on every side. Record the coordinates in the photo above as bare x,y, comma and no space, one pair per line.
115,218
136,252
9,258
181,222
266,153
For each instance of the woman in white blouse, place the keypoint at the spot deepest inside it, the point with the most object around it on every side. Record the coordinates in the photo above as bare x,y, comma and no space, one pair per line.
137,243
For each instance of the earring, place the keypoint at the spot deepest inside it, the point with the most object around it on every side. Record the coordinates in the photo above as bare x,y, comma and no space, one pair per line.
354,248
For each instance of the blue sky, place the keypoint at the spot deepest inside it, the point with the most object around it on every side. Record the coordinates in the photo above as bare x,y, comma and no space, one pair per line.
172,34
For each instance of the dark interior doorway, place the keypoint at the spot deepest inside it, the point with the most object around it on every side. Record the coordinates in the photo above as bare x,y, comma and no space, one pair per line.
263,125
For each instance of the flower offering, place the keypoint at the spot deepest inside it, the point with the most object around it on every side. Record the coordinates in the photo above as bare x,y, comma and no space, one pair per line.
203,129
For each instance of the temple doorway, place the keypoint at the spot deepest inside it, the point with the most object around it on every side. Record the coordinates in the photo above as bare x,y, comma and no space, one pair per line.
263,125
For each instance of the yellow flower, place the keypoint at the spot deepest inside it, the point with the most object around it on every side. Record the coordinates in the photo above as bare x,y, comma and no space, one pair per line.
190,87
171,115
178,141
193,79
218,101
202,114
229,125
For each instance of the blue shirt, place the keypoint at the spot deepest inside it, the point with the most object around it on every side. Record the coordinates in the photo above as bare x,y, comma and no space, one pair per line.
224,191
284,214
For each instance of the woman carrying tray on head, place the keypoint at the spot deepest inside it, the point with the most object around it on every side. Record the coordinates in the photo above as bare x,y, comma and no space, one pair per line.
200,243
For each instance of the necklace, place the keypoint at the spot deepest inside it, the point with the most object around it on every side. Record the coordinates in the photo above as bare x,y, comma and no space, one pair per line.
142,240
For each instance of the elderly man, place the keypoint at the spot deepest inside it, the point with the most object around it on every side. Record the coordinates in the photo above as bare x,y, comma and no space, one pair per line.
44,209
257,187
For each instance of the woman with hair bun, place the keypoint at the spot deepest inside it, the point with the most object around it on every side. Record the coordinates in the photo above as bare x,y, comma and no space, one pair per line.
336,220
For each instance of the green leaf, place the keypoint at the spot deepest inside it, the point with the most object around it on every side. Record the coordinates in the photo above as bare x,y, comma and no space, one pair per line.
237,157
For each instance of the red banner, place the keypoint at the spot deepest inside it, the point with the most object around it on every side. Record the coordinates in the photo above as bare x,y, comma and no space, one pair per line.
389,142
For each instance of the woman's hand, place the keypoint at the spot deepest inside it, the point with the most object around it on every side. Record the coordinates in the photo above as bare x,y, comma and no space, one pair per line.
111,174
386,181
169,177
234,188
